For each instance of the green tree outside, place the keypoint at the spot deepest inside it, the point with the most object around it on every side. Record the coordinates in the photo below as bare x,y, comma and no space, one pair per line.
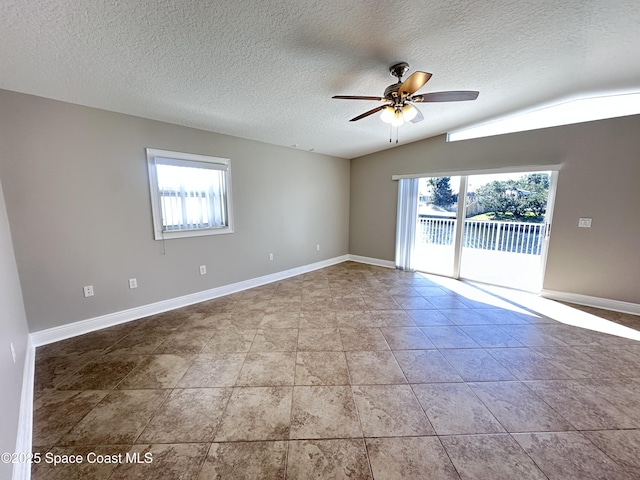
524,199
442,193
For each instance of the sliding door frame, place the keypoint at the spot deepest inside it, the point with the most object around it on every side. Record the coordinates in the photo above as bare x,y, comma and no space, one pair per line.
461,212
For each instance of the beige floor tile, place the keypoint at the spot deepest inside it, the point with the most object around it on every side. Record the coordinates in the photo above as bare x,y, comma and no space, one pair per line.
570,455
355,319
501,316
50,371
250,305
490,336
390,318
346,301
280,320
187,416
390,411
246,319
230,341
236,460
475,365
407,458
573,362
428,318
324,412
380,302
412,302
622,393
532,335
449,337
118,419
256,413
447,302
103,373
289,300
319,340
140,342
307,357
157,371
622,446
425,366
363,339
169,462
318,319
57,412
367,368
482,457
463,316
335,459
518,409
454,409
526,364
268,368
433,291
573,336
580,406
321,368
619,361
406,338
275,340
213,370
313,304
187,342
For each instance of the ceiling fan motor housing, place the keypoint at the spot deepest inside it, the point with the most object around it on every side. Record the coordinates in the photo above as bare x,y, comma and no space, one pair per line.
391,91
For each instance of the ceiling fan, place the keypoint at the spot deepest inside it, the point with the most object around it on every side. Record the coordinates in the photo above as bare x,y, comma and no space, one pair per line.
400,97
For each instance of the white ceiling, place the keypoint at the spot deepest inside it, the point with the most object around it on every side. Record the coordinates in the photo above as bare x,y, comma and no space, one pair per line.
266,70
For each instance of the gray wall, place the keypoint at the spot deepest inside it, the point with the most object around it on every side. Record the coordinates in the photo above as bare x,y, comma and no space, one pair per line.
599,179
78,202
13,328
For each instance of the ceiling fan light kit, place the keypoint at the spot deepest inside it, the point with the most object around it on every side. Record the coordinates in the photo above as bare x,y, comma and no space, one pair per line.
399,97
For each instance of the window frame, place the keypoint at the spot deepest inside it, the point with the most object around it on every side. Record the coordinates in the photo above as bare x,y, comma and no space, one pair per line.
186,159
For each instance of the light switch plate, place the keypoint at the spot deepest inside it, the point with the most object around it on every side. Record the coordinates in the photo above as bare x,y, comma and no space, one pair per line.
584,222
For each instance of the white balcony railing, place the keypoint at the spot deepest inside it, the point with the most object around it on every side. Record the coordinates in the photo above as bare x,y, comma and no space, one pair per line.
511,237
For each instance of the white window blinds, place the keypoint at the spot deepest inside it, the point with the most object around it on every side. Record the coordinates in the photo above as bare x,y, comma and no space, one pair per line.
189,195
406,222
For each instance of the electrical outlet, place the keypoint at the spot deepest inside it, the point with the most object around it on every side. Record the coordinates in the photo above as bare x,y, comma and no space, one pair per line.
133,283
13,353
317,247
271,257
88,290
203,269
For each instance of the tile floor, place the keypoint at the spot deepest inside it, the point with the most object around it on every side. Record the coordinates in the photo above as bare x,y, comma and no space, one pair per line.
351,371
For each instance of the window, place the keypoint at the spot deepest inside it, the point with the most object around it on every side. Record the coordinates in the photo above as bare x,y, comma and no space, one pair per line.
190,194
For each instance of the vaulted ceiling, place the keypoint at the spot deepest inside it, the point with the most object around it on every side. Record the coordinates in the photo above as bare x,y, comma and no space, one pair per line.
266,70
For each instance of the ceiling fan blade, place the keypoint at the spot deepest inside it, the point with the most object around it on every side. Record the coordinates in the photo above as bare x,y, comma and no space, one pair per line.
414,83
453,96
419,117
359,97
366,114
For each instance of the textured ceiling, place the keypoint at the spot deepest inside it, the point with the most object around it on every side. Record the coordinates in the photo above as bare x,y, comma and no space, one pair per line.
266,70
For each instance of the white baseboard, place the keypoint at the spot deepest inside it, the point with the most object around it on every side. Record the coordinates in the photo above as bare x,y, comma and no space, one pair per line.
55,334
372,261
22,470
589,301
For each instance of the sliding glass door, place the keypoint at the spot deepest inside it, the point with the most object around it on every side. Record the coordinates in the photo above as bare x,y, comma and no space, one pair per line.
506,222
435,244
492,228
